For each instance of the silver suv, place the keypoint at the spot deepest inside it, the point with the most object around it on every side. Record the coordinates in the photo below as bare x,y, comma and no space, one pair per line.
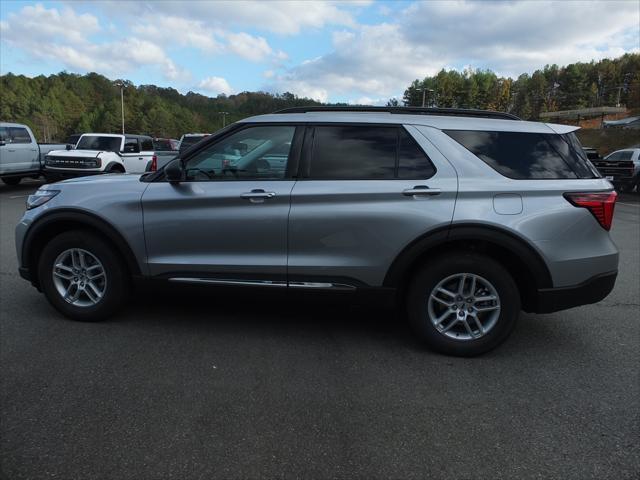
464,217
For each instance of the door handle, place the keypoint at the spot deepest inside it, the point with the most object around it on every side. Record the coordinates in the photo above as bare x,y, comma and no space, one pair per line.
10,150
421,190
140,158
257,196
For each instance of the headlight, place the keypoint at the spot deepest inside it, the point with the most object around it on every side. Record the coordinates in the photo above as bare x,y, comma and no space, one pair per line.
40,198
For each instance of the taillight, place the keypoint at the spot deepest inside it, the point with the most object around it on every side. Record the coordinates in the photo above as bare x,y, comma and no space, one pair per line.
599,204
154,163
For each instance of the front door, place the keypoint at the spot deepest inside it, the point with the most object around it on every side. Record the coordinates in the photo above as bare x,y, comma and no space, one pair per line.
227,222
20,152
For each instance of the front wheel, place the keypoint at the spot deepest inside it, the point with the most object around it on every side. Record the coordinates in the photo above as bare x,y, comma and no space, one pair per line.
463,304
82,276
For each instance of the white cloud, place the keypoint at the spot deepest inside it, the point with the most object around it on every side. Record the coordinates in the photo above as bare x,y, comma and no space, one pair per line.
508,37
284,17
216,86
64,37
249,47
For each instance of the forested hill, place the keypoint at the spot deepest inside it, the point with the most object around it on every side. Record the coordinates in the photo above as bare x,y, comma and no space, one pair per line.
603,83
61,104
65,103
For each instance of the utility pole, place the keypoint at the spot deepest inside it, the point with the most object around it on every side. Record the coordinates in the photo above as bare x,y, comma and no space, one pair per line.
424,96
121,85
224,118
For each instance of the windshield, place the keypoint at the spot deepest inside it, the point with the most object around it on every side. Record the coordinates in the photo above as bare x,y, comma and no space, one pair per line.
93,142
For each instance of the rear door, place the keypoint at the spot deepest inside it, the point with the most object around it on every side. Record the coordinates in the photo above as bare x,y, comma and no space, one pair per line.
134,159
227,222
365,193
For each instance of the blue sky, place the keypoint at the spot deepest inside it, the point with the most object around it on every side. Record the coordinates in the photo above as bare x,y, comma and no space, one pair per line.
358,51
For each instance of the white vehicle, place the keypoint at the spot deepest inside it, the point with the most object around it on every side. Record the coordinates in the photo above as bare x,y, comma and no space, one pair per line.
98,153
20,154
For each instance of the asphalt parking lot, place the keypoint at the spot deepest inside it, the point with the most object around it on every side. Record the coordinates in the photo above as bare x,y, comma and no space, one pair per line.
184,385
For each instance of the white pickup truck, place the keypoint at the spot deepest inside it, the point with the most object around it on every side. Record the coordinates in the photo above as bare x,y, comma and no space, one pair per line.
98,153
20,155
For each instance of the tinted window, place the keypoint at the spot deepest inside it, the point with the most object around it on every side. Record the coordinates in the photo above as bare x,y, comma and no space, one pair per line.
146,145
19,135
622,155
354,152
92,142
163,145
4,134
527,155
131,145
251,153
412,161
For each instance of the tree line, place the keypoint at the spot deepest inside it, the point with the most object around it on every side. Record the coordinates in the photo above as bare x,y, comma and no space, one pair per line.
56,106
608,82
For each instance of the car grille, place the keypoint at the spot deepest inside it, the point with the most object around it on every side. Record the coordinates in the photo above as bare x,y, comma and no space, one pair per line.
72,162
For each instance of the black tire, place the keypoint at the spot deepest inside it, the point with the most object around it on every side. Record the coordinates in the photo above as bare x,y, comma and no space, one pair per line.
117,278
11,180
116,169
432,273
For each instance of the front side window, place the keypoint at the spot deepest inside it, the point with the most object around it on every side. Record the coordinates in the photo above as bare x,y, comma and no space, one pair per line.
95,142
4,134
355,152
252,153
19,135
522,156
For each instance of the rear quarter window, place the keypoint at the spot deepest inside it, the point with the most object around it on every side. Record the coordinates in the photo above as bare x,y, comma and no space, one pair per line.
523,156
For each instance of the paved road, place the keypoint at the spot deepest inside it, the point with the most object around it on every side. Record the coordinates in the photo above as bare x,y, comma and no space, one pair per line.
203,386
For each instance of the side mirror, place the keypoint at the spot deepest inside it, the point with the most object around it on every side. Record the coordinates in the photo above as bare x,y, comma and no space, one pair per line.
2,143
69,146
174,171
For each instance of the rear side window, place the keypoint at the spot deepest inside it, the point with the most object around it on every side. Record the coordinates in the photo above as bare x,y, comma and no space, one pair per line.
525,156
352,152
146,145
19,135
413,163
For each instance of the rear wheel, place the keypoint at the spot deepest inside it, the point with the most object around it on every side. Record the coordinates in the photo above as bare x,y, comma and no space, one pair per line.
82,276
463,304
11,180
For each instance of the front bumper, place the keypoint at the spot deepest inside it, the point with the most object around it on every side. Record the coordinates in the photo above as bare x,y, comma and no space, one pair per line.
61,173
590,291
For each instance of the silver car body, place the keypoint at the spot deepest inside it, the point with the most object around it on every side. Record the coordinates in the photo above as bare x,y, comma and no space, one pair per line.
341,234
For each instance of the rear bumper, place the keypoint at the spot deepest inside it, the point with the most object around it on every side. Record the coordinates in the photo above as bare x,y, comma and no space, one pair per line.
590,291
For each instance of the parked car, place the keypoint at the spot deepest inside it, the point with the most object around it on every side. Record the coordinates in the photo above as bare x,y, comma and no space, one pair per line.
188,140
463,217
622,168
20,154
98,153
166,149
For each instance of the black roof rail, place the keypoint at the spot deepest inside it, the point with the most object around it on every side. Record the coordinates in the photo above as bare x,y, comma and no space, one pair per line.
455,112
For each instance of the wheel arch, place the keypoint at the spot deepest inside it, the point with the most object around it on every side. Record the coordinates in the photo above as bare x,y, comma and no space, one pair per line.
53,223
115,166
522,261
